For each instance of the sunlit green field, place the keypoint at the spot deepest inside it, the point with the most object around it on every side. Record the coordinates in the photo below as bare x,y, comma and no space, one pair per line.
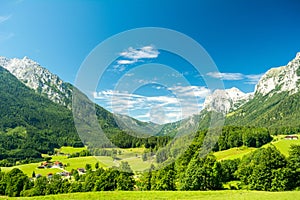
283,145
70,150
279,142
132,156
233,153
207,195
74,163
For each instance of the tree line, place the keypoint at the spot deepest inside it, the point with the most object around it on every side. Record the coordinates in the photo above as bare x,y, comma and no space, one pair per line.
15,183
264,169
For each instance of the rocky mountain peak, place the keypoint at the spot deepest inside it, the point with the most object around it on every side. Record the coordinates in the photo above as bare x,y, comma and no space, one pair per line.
226,100
33,75
280,79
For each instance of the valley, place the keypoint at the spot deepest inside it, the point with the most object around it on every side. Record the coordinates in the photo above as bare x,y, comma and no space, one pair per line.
257,146
138,100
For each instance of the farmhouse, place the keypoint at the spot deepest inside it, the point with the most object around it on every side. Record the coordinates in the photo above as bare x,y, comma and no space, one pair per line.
50,175
38,176
58,164
291,137
44,165
64,173
81,170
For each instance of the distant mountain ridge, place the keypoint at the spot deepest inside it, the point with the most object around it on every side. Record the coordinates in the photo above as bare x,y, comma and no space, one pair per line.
226,100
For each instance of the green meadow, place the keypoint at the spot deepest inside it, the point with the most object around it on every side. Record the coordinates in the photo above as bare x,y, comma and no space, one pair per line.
233,153
132,156
282,144
144,195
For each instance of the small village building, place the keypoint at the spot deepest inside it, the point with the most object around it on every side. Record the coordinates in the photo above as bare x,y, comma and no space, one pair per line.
291,137
58,164
38,176
49,175
81,170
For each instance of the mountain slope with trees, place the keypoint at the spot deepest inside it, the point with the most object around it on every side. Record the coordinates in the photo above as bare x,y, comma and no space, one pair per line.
276,102
30,123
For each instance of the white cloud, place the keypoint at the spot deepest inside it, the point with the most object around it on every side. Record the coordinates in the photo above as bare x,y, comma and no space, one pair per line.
132,55
249,79
141,53
118,68
129,74
4,18
252,79
226,76
125,62
190,91
158,109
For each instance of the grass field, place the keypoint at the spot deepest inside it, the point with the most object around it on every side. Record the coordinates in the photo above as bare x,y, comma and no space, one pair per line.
29,168
233,153
132,156
283,145
74,163
279,142
207,195
70,150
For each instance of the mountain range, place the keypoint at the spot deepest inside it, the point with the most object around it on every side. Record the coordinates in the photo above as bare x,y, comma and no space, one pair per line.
275,103
46,103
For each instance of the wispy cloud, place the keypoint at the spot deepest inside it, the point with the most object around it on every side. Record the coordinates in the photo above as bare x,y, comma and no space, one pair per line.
249,79
190,91
226,76
252,79
6,36
4,18
141,53
118,68
185,102
132,55
129,74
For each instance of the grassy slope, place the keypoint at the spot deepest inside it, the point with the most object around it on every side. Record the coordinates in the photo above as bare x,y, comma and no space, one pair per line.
70,150
209,195
279,142
132,156
74,163
233,153
283,145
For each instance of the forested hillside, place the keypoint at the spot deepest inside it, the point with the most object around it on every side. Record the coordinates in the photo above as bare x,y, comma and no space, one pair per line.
279,113
30,123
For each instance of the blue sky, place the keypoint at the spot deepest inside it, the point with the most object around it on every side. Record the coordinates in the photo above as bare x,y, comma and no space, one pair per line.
244,38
